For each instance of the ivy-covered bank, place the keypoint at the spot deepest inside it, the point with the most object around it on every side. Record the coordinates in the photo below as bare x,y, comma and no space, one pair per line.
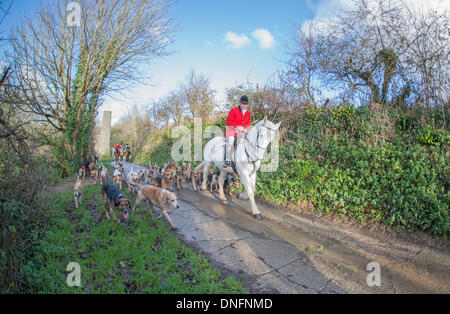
374,163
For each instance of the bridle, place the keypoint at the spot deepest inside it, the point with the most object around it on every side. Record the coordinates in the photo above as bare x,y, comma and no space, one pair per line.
254,159
255,146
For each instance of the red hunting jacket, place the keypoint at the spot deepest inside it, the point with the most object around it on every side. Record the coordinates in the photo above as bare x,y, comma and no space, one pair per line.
236,118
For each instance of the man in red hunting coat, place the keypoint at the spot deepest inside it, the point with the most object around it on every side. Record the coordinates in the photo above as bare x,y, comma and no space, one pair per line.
238,121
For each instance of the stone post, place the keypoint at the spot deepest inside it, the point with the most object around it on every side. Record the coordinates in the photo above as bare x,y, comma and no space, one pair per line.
104,144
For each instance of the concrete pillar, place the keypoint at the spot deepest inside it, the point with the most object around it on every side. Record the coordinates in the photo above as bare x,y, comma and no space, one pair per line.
104,143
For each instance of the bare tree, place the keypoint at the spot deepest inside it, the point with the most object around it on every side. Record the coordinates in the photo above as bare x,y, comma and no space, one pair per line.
194,96
62,71
176,105
382,55
425,41
5,7
303,64
159,113
199,95
170,109
357,56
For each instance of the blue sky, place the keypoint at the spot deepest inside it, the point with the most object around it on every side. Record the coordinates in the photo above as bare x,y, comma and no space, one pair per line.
229,41
200,42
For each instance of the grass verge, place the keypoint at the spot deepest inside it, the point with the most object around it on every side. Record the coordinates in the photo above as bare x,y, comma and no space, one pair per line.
143,256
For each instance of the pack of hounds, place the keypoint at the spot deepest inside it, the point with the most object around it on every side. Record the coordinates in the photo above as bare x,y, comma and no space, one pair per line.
155,186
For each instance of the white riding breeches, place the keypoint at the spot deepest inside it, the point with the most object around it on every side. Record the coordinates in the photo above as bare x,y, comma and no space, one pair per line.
230,140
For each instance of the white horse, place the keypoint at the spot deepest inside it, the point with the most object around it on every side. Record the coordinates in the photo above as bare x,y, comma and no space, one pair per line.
248,156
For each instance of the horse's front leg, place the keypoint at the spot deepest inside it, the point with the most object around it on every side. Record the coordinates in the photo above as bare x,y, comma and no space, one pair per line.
253,181
221,180
249,184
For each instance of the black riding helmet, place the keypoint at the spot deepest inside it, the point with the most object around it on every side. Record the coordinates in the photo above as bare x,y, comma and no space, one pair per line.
244,100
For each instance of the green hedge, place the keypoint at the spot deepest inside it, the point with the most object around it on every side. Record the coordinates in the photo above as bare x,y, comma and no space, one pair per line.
386,173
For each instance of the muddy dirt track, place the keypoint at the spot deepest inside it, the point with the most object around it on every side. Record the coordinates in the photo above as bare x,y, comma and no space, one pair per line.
288,253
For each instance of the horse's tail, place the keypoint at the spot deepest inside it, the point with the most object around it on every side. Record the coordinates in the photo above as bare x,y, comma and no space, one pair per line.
200,166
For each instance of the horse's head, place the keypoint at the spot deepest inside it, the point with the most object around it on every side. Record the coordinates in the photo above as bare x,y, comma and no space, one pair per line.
270,129
264,133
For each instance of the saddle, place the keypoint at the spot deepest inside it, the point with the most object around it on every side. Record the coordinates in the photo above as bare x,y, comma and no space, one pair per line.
239,139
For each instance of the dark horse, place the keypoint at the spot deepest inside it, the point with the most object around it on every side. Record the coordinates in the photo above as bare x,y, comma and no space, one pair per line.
118,154
127,154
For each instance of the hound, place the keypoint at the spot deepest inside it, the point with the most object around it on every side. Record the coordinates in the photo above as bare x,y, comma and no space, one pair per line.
196,179
149,174
132,181
213,180
141,175
164,181
122,169
231,182
94,174
152,175
77,191
162,168
86,166
103,174
114,200
178,178
187,172
162,198
117,177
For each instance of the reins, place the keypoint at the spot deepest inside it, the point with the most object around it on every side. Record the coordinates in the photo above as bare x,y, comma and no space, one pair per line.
256,146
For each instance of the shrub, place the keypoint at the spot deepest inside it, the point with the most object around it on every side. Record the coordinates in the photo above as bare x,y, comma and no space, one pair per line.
22,218
431,137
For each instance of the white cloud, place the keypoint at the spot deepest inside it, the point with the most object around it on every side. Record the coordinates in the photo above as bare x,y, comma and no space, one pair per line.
324,14
237,41
264,37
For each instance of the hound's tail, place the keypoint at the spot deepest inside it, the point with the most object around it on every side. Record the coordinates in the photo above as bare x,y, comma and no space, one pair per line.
200,166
